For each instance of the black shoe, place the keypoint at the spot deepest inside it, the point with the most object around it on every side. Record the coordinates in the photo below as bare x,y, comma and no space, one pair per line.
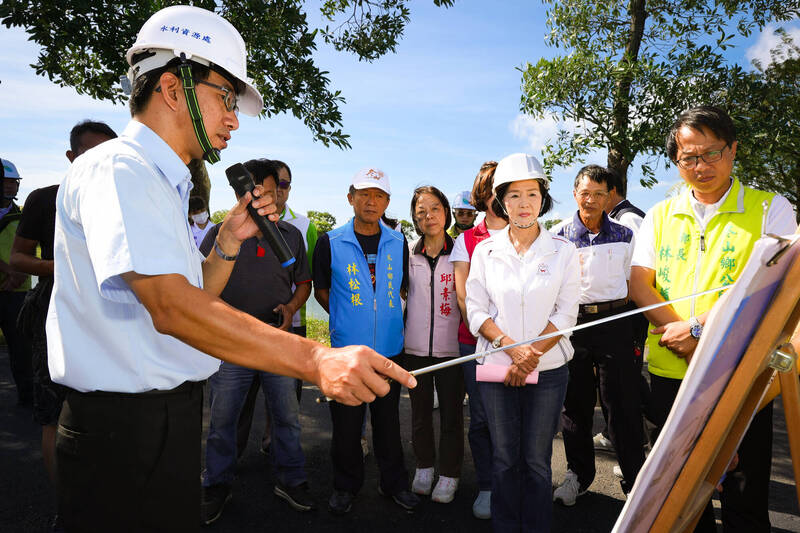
405,499
297,497
214,499
341,502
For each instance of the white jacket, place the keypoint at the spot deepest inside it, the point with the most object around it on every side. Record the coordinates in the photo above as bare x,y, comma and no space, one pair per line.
523,294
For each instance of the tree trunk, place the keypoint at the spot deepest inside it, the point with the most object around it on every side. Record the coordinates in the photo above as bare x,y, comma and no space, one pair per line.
202,184
620,155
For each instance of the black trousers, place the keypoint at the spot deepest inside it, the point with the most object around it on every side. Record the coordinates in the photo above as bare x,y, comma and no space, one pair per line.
346,453
19,352
130,462
745,495
607,349
449,383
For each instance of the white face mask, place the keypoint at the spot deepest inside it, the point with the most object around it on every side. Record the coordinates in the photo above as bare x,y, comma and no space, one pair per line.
200,218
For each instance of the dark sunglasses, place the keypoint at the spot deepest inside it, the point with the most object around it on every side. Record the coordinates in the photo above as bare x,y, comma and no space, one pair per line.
284,184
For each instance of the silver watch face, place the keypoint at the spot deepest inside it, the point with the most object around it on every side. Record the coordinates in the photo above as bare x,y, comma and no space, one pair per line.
696,330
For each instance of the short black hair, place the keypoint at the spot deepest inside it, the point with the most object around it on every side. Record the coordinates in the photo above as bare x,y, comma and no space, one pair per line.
262,169
430,189
196,203
280,164
710,117
500,210
88,126
597,174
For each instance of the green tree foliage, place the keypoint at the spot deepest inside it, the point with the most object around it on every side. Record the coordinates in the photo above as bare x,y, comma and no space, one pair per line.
548,224
219,216
323,220
83,45
766,107
408,230
630,67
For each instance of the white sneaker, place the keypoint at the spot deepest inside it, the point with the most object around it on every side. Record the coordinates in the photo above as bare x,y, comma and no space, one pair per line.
618,471
364,447
445,489
602,443
482,508
423,480
435,399
569,490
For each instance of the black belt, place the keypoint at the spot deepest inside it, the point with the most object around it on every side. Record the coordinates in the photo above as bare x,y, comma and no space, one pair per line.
184,388
602,307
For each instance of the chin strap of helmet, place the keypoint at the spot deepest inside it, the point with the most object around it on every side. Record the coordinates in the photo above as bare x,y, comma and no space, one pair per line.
210,153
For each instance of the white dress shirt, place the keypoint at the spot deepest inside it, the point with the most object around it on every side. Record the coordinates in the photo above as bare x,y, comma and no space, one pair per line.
121,208
523,293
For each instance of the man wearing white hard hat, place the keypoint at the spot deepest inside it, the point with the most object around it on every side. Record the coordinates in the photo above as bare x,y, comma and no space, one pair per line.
135,324
523,283
360,270
13,286
464,214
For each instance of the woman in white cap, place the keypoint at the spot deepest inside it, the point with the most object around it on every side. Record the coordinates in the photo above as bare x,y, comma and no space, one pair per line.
523,283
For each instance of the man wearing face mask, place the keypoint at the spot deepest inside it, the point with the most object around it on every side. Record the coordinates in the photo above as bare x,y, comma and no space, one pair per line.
198,216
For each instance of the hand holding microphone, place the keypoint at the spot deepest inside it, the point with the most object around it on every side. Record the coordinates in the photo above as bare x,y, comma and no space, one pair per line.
242,182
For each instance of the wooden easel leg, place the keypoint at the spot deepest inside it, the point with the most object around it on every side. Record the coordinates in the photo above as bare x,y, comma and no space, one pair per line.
790,391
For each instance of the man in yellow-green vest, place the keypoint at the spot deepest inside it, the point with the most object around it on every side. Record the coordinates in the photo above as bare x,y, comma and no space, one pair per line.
699,240
13,286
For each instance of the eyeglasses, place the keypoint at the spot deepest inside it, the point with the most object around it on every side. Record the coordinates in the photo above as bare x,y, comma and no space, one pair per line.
284,184
690,162
229,97
597,196
15,180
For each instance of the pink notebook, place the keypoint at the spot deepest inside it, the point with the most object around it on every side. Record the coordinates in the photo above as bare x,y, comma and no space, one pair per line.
497,374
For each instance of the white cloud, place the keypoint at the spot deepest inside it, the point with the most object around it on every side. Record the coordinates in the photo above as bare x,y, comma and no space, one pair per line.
769,40
537,132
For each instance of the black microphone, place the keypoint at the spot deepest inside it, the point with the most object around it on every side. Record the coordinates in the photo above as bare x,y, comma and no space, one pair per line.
242,182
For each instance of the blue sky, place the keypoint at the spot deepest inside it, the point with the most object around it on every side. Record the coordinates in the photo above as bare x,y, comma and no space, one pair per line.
431,113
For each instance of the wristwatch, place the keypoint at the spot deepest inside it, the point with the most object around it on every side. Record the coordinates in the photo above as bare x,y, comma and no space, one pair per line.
695,327
497,340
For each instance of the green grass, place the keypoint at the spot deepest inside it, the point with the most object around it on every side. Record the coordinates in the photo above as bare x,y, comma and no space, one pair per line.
317,329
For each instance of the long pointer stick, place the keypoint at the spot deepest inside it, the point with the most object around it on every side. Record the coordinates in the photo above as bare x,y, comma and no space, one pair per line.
472,357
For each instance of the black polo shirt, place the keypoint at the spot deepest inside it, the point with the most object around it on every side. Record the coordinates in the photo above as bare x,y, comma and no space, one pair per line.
258,282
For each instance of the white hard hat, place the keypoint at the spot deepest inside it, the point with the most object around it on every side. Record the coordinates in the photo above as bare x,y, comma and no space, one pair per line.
461,201
518,167
370,177
202,36
9,170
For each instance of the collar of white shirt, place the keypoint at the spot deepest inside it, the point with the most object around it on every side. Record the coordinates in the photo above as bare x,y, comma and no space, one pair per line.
162,155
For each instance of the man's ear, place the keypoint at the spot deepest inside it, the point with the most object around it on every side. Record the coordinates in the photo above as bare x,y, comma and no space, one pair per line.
71,155
169,89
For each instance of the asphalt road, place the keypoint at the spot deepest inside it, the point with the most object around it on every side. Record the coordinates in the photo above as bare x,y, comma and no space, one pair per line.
26,502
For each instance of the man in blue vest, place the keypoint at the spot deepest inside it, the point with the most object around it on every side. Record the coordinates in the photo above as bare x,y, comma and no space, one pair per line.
359,270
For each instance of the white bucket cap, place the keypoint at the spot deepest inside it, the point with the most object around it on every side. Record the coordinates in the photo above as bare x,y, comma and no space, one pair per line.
461,201
519,167
370,177
204,37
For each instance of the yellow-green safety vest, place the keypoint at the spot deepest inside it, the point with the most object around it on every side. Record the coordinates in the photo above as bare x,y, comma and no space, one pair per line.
690,259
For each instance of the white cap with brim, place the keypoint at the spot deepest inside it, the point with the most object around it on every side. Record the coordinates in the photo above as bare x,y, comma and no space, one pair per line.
202,36
518,167
370,177
10,170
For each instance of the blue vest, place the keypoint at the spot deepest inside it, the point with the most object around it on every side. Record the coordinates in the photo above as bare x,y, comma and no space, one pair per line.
359,314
